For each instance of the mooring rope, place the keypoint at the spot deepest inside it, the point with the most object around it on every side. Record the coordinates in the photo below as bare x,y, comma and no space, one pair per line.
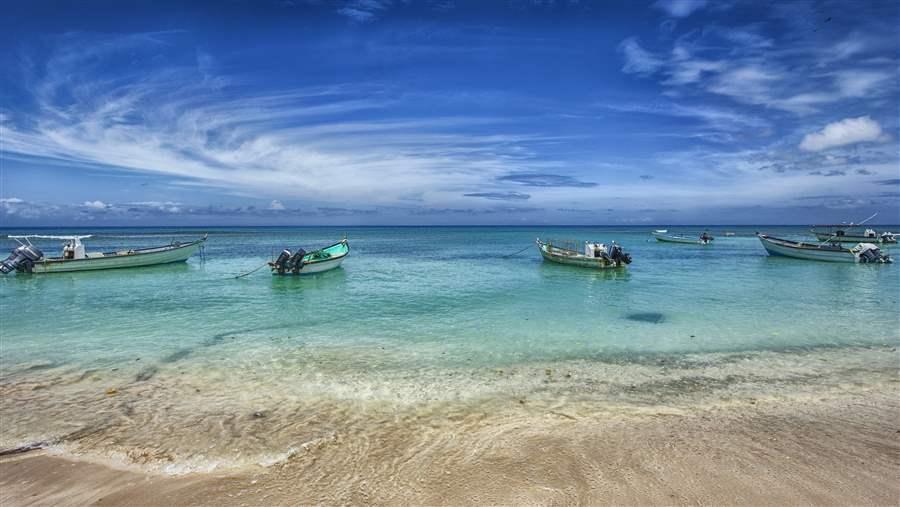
251,272
517,253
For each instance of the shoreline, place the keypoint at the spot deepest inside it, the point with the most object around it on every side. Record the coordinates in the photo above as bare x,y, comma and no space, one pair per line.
840,448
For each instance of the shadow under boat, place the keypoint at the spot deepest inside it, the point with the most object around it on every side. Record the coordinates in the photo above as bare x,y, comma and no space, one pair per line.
556,271
324,280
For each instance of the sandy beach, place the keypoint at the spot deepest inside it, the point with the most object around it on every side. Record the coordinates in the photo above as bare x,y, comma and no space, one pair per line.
841,448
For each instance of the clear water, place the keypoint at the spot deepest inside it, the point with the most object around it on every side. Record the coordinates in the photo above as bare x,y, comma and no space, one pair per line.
415,315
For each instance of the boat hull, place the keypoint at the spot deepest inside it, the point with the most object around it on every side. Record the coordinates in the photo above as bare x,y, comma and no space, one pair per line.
310,269
676,239
161,255
777,247
580,261
849,239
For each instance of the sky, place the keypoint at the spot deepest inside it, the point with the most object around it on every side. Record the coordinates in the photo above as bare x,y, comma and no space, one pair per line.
443,112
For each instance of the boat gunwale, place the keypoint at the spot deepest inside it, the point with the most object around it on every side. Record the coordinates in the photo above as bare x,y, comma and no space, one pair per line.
117,255
800,245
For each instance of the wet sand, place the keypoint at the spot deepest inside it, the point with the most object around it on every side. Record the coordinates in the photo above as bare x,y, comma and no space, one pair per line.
841,448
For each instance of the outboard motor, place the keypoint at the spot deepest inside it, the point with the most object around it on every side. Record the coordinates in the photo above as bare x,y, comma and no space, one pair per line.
870,253
618,255
282,260
21,259
296,261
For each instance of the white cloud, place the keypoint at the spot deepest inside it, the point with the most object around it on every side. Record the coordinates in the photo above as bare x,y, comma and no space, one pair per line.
843,132
637,59
95,204
276,205
15,207
680,8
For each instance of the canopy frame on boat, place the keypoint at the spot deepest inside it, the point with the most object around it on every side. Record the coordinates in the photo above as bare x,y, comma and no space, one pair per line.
29,237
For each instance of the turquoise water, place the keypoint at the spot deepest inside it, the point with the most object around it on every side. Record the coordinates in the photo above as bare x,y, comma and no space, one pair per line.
410,308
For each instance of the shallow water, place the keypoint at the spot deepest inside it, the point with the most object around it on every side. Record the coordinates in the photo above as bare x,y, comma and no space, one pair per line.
183,367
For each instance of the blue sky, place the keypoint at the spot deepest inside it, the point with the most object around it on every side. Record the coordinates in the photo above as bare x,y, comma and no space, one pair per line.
448,112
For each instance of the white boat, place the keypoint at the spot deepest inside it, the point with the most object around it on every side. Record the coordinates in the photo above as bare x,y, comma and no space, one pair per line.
593,255
27,258
851,234
303,263
663,235
829,252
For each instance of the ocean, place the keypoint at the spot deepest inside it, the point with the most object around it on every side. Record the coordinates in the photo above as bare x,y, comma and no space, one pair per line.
182,368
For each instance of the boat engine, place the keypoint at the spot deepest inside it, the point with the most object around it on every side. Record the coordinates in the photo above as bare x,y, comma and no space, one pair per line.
282,260
869,253
296,261
21,259
618,255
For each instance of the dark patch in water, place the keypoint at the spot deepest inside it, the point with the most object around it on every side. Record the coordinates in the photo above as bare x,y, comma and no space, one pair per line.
650,317
85,375
177,355
42,366
146,374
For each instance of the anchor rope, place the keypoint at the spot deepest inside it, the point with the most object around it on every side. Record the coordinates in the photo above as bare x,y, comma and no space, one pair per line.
517,253
251,272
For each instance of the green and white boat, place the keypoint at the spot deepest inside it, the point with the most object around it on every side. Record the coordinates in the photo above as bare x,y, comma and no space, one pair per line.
27,258
592,255
302,262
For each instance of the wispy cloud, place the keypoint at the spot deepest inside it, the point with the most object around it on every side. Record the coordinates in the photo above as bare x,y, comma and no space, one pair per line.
750,68
545,180
721,119
679,8
637,59
363,11
500,196
303,143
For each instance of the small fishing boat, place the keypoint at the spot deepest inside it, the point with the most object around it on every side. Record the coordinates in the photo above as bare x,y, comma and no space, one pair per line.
592,255
302,262
831,252
851,234
27,258
663,235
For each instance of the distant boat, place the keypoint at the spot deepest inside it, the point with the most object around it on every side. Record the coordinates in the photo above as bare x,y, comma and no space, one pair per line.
303,263
27,258
592,255
849,233
664,236
830,252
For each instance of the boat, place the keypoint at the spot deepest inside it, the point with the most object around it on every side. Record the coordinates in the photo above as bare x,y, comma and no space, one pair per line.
302,262
27,258
850,233
592,255
663,235
863,253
